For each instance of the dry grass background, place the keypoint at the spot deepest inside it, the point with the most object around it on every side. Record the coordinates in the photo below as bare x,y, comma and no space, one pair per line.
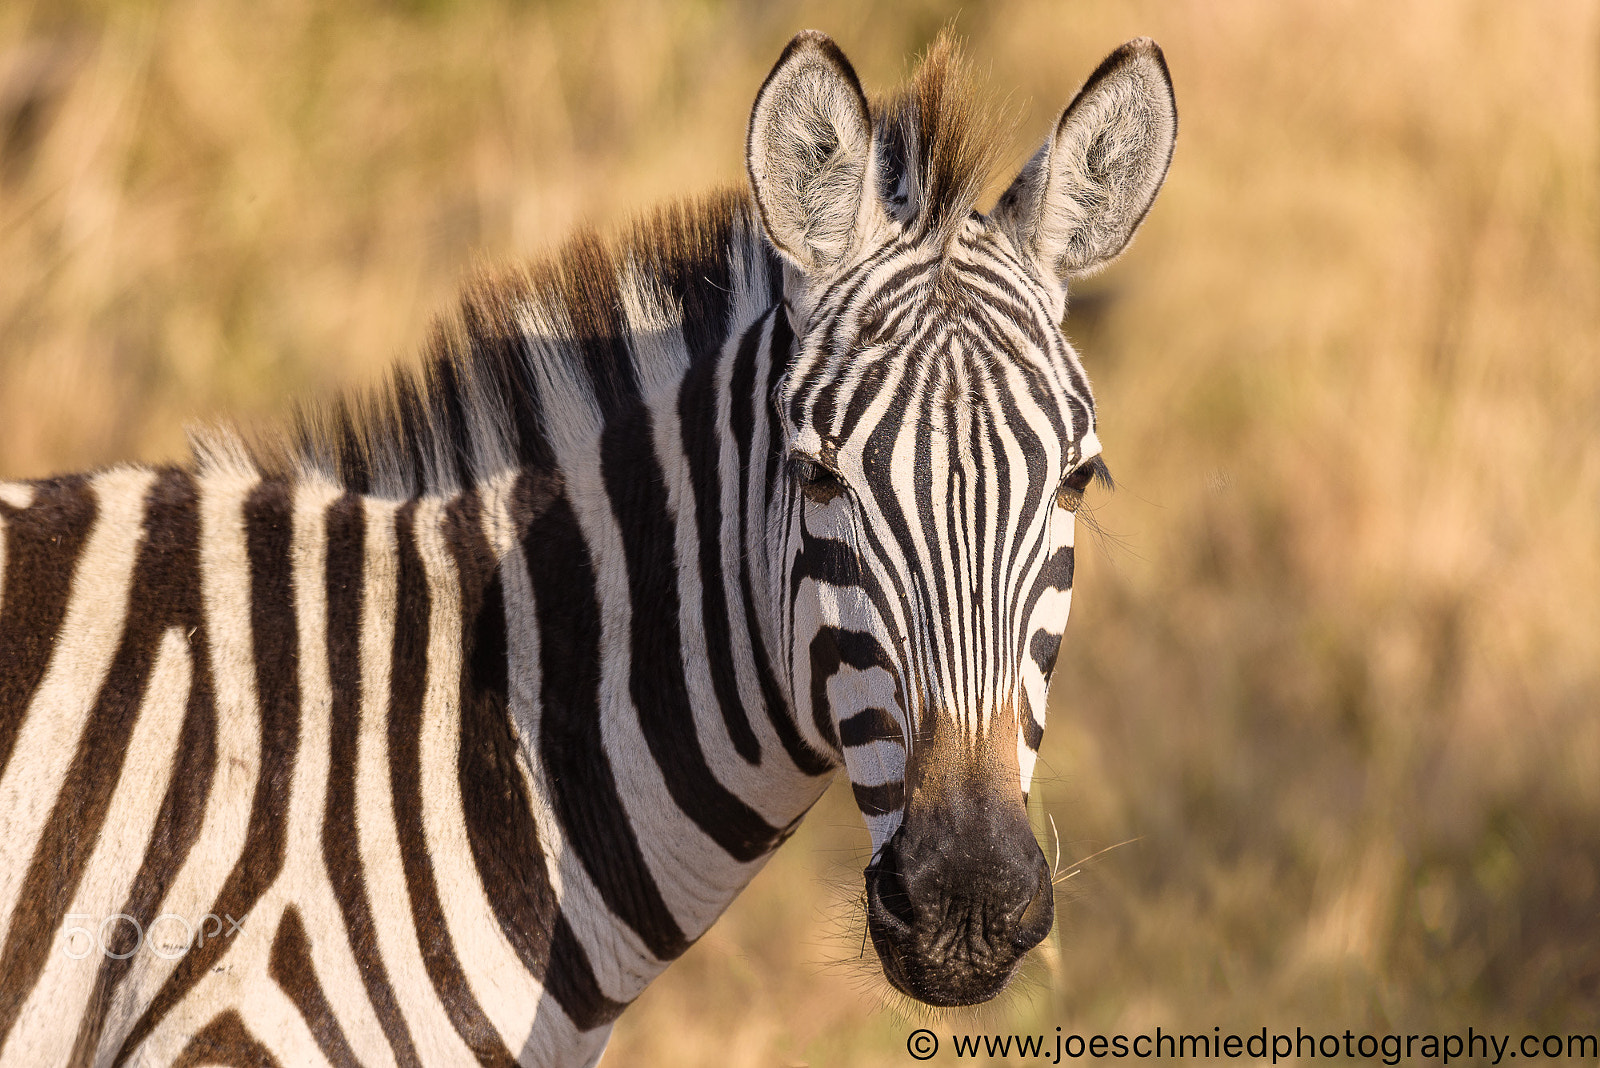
1336,666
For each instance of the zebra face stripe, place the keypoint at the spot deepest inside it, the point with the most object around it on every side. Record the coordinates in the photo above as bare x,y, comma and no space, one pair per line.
931,412
923,523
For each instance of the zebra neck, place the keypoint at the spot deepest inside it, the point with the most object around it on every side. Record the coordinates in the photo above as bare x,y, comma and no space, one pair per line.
616,605
533,727
641,622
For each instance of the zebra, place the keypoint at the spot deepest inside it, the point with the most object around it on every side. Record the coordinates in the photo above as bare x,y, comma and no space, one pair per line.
429,731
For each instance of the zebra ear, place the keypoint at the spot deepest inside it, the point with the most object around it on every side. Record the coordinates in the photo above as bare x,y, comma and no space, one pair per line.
1077,203
809,154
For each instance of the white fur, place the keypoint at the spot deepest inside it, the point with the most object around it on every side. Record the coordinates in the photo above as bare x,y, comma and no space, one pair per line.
16,494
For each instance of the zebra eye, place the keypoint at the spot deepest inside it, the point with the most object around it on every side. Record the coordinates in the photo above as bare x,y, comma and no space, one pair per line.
818,483
1070,495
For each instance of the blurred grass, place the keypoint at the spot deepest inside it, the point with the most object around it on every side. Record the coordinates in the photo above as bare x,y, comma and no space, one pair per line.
1335,665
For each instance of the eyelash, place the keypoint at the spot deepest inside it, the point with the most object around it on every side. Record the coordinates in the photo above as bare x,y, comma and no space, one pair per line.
1070,495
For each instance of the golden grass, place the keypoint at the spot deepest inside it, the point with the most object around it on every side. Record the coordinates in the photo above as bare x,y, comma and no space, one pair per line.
1334,666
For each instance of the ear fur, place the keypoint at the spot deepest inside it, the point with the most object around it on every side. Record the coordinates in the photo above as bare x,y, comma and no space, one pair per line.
810,156
1077,203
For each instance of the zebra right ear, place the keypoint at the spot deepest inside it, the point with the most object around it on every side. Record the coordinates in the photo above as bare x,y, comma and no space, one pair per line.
810,157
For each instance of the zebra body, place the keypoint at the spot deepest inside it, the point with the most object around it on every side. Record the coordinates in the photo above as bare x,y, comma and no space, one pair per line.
432,737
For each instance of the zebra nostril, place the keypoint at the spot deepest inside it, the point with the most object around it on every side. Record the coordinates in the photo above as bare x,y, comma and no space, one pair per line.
887,887
1036,920
1039,915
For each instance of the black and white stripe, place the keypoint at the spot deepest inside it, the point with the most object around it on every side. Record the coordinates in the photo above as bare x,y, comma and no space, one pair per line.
475,709
951,533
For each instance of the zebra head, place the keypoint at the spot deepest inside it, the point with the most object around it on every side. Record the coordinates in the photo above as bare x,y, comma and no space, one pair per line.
938,434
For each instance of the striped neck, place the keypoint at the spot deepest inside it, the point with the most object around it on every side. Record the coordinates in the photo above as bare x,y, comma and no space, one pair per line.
522,735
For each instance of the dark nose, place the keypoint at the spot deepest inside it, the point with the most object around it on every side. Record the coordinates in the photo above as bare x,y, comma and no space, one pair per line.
955,899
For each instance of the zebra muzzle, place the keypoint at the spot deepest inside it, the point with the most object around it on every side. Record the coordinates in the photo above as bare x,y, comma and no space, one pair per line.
953,905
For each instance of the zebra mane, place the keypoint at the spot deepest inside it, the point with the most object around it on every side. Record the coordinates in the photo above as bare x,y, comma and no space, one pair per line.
560,340
532,349
940,138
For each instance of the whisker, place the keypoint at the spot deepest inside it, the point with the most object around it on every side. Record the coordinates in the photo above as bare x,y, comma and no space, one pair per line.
1057,880
1110,542
1055,865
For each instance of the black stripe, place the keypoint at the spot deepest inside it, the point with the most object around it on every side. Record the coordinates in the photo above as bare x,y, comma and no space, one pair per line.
881,318
697,414
749,403
1019,275
1058,569
823,559
660,690
964,629
268,520
1032,731
1028,444
933,580
824,652
1000,595
848,288
291,968
868,726
838,563
583,790
1054,574
174,521
1043,649
875,378
879,800
408,684
904,590
995,601
225,1042
43,543
341,850
571,982
861,650
499,813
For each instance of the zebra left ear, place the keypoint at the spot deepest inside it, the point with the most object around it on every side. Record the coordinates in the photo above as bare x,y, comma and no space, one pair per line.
1077,203
810,156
